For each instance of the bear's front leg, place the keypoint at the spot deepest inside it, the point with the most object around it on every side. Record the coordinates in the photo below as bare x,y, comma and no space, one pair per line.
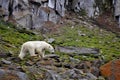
41,54
32,52
21,55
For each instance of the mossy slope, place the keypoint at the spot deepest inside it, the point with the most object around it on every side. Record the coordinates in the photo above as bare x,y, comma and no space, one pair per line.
81,36
11,39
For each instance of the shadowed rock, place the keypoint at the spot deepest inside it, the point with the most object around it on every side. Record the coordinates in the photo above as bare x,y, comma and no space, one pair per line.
6,61
51,75
51,56
78,75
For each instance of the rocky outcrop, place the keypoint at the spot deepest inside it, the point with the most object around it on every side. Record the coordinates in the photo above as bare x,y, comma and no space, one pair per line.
86,7
52,67
32,13
35,14
116,4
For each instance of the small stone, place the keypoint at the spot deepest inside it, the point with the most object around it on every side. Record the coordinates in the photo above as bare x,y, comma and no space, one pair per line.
91,76
68,66
95,71
19,68
51,40
6,62
58,64
29,63
101,78
12,75
15,59
74,60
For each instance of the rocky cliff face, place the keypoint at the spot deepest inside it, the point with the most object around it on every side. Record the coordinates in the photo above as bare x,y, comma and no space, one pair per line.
89,7
116,4
34,14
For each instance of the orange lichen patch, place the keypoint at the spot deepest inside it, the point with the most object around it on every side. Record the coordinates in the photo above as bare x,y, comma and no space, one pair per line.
116,71
106,69
111,70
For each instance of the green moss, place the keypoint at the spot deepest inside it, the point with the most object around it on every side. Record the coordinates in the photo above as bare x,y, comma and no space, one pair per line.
11,38
104,40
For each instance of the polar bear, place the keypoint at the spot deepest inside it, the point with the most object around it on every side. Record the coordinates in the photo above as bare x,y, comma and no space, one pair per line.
34,47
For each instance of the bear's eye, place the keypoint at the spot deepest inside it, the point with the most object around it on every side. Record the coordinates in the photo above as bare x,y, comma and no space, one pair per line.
36,52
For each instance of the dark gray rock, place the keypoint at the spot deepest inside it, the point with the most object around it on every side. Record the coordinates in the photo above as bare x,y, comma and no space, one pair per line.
6,61
74,60
51,40
116,4
90,76
5,7
51,75
86,7
51,56
78,75
117,9
4,54
77,50
33,14
95,71
12,75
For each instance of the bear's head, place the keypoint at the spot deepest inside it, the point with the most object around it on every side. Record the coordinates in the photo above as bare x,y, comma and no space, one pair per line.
50,49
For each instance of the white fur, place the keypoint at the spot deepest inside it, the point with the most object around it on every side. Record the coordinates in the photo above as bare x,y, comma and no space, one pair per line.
35,47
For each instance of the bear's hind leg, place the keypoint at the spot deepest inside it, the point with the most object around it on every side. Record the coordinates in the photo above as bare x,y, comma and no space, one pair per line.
22,53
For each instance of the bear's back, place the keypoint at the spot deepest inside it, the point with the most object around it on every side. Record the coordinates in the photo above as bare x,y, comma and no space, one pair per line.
35,43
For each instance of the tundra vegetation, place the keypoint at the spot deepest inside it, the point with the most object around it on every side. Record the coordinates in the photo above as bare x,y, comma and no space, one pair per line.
11,39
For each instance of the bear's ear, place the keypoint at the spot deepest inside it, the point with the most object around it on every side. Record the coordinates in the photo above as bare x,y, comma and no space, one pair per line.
49,47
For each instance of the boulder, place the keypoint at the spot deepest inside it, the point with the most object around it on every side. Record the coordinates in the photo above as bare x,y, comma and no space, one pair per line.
4,9
76,74
111,70
77,50
52,75
6,61
12,75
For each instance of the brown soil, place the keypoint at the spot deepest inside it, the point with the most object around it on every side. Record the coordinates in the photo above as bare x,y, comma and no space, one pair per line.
107,21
